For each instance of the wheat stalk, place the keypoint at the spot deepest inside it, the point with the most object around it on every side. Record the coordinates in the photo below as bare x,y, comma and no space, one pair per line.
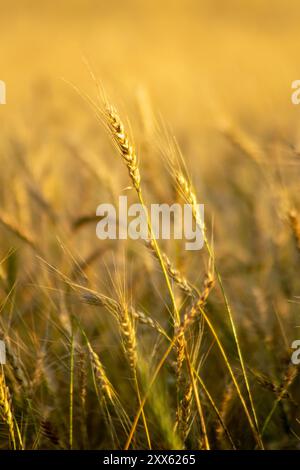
190,315
100,374
99,300
128,335
174,273
5,408
184,412
289,377
20,233
144,319
224,410
130,348
127,152
124,146
188,193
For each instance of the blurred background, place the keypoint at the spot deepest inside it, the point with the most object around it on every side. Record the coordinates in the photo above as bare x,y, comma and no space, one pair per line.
206,60
188,53
217,74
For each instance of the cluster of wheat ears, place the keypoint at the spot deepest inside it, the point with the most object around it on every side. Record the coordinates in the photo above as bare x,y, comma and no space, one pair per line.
160,376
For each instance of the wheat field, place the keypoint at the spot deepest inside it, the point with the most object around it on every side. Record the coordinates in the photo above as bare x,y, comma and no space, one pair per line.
125,344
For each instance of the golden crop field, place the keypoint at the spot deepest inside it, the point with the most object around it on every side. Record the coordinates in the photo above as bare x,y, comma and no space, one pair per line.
143,344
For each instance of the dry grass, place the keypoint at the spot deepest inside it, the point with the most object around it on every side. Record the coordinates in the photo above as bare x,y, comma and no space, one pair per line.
6,411
117,344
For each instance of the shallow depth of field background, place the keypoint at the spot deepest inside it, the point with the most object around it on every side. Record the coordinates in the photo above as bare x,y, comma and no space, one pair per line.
215,74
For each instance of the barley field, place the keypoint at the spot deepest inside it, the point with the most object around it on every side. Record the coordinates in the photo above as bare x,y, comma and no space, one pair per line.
132,344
